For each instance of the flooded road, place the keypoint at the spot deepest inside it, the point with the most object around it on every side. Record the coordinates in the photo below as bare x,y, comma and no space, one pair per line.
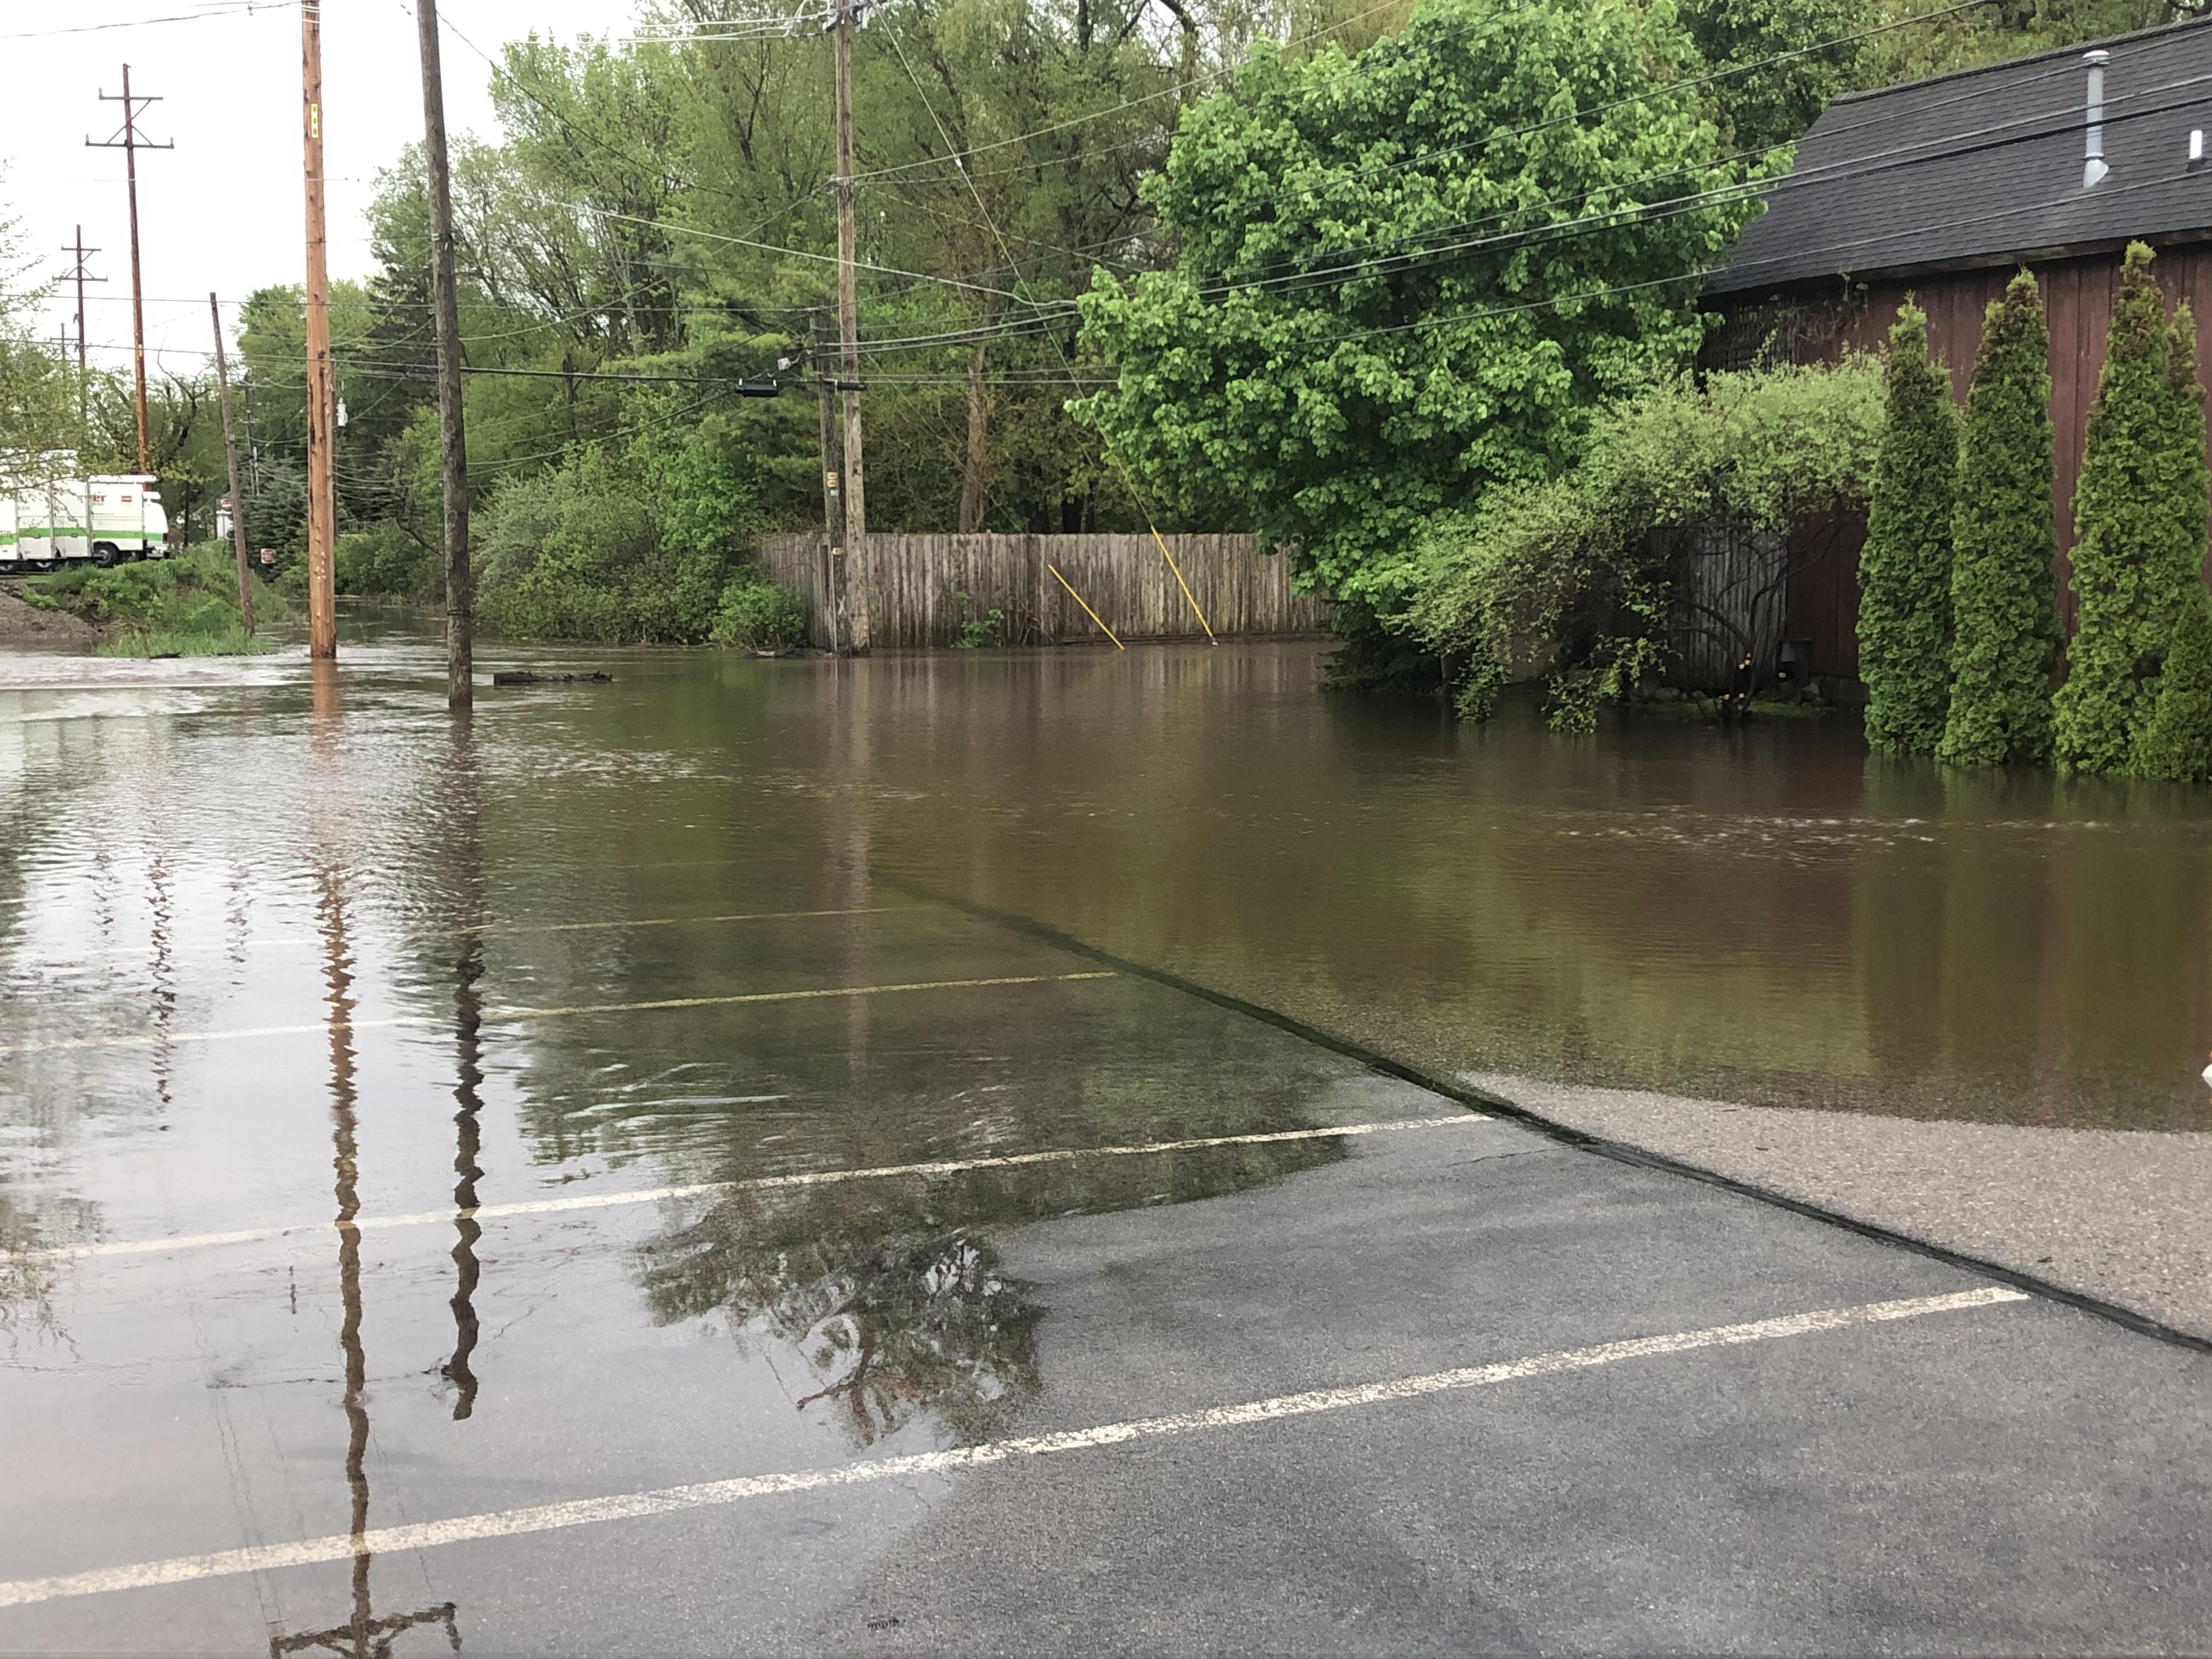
403,1121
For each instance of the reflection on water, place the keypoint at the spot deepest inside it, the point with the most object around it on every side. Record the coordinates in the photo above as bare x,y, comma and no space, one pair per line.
1759,914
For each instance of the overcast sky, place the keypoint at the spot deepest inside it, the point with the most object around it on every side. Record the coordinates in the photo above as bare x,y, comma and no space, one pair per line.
230,89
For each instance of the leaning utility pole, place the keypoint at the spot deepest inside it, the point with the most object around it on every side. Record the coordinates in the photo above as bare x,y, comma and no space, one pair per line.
848,331
454,441
230,457
822,359
130,143
322,388
77,274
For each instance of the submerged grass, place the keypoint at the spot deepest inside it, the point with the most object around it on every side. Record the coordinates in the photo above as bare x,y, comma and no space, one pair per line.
233,641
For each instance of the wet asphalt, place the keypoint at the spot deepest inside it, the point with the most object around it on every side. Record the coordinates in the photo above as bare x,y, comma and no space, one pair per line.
425,1226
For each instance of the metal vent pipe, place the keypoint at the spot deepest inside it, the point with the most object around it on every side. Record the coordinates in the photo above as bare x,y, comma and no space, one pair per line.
2093,149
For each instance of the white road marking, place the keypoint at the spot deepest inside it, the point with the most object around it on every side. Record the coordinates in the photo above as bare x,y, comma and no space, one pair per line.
501,929
669,1500
501,1016
757,1183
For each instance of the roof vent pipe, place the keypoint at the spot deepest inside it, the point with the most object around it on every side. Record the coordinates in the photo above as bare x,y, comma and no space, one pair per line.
2093,150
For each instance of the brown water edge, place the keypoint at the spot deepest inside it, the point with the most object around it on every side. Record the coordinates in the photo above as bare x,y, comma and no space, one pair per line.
1759,914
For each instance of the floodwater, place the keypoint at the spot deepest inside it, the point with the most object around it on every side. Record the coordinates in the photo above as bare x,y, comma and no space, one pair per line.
643,966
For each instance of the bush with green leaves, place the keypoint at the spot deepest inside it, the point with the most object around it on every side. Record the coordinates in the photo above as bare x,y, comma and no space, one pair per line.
2139,530
383,560
633,544
1905,567
183,602
759,614
2005,598
2177,740
1578,578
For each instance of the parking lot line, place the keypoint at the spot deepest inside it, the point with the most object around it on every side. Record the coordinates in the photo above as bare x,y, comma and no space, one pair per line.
498,1016
757,1183
667,1500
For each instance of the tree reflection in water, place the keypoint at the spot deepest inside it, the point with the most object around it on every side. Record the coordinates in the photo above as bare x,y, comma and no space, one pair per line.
893,1315
892,1293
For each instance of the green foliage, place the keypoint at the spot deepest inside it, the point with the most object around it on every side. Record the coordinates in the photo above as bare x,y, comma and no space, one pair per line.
2004,601
192,597
759,614
2139,533
1905,569
1580,576
231,641
1368,323
386,562
1765,103
619,546
2177,742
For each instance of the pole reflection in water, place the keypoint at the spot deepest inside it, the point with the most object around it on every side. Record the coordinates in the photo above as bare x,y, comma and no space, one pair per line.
464,838
363,1635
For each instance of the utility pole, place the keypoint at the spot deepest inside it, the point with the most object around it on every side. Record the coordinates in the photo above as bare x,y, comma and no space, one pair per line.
230,456
453,440
130,143
78,275
833,502
849,330
322,388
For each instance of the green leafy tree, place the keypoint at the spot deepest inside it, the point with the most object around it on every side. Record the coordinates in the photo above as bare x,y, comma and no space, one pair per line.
2177,744
2005,598
2139,532
1905,569
1406,278
1765,103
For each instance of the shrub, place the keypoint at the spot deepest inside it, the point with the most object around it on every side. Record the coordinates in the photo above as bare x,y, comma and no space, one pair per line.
1905,569
1580,575
759,615
2136,545
384,562
2177,742
2004,599
634,545
193,595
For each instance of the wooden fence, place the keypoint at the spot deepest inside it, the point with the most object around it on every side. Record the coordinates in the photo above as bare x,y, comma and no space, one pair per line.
925,589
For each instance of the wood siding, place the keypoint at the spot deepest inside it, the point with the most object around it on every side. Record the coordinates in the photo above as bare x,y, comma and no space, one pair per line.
2078,298
925,588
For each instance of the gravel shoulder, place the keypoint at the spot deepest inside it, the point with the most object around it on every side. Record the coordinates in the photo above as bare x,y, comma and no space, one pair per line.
21,624
2116,1214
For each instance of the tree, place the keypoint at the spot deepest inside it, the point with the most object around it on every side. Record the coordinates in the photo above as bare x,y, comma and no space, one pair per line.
1765,102
1407,277
2004,600
1904,568
2137,543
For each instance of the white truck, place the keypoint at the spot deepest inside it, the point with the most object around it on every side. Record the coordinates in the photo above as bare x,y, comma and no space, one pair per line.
105,520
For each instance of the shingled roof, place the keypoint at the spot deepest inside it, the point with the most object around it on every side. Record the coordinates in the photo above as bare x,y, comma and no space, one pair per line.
1984,168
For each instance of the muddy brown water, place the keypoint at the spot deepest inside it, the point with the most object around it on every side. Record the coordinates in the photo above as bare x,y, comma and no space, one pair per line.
277,951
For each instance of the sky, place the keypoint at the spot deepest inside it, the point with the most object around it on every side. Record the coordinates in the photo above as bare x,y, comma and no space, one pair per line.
223,211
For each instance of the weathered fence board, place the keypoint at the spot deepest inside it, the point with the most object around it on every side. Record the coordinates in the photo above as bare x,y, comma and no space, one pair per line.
924,588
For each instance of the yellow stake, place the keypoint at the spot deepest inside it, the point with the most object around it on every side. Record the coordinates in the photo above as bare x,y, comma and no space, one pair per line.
1179,582
1087,610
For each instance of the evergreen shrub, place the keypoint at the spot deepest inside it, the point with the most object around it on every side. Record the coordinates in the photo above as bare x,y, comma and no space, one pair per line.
1904,568
2005,598
2177,742
2137,545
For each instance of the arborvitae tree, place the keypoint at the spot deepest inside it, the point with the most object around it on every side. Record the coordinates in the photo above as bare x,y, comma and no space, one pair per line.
2131,549
2004,599
2177,742
1905,569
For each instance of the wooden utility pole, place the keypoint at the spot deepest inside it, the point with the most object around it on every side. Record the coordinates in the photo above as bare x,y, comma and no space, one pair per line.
322,380
130,143
823,359
230,457
848,331
454,441
78,275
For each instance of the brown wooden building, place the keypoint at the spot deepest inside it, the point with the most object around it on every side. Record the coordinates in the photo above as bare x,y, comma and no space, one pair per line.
1941,189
